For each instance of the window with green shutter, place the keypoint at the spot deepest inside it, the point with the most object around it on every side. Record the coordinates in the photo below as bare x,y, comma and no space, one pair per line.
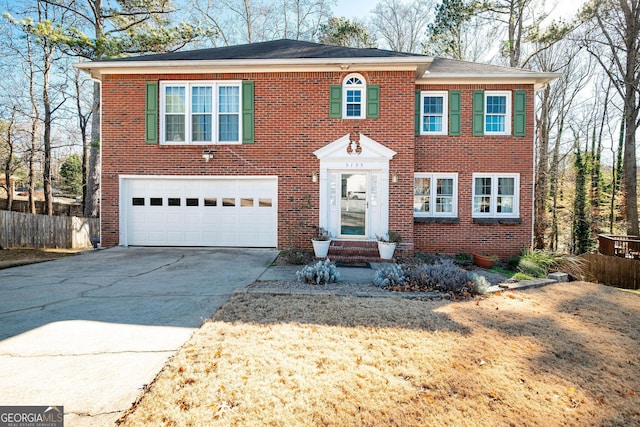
519,113
335,101
433,112
478,113
151,113
417,113
455,109
248,136
373,101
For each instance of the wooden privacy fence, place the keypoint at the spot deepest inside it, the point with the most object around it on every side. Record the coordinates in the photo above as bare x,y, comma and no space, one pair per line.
20,230
614,270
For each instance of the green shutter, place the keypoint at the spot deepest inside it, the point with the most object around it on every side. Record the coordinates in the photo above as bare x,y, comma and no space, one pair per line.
417,112
519,113
478,113
335,102
373,101
151,113
454,112
248,136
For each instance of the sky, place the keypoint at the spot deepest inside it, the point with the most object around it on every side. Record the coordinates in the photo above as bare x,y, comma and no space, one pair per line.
360,8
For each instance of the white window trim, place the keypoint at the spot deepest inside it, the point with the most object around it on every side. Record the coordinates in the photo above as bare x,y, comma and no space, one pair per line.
363,98
445,111
494,195
507,119
432,196
188,84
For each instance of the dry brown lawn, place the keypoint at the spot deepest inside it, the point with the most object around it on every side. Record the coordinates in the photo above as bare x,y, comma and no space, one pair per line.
566,354
17,256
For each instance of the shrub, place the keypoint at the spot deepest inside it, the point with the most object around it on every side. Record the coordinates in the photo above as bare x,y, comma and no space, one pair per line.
320,273
531,268
479,284
389,275
539,263
445,276
296,256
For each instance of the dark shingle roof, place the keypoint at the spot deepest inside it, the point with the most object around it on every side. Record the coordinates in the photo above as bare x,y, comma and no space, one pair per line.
277,49
451,66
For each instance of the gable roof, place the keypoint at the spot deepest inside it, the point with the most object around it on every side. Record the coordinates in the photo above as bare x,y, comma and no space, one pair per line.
296,55
276,49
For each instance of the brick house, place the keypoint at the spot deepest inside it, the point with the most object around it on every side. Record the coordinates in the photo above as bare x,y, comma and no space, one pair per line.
252,145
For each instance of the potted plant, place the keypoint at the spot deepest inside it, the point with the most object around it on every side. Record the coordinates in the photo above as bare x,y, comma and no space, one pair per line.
484,261
321,242
387,244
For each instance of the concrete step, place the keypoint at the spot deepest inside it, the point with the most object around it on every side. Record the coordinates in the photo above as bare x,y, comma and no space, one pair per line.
354,252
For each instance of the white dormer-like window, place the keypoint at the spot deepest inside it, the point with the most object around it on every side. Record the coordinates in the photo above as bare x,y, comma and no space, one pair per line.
354,89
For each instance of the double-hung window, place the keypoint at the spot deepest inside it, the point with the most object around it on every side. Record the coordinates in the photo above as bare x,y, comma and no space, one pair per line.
497,114
433,117
200,112
435,195
496,195
354,89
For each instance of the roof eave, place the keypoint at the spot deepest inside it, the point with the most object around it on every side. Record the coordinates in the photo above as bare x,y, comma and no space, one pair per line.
539,80
99,68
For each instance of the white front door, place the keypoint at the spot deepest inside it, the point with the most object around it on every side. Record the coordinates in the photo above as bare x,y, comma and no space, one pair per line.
354,188
353,205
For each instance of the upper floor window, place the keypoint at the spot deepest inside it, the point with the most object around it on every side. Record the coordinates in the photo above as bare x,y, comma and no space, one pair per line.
435,194
354,96
496,195
434,109
200,112
497,113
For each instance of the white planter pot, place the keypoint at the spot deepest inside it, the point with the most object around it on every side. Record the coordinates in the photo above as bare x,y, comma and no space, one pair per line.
386,249
321,248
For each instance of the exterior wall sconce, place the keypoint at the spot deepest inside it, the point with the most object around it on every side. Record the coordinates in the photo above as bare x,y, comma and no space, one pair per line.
207,154
314,177
394,178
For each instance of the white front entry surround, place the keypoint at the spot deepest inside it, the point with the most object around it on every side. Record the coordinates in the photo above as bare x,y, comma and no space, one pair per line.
368,161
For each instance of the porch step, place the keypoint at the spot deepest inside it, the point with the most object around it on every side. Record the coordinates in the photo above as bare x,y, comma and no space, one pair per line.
355,252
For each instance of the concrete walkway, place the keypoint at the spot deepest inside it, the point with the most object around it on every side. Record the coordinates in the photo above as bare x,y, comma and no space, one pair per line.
89,332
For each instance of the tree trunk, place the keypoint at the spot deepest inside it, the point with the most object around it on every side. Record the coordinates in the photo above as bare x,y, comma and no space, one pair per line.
630,176
46,169
91,208
541,183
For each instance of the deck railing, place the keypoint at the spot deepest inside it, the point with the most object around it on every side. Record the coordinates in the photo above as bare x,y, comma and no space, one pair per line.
620,246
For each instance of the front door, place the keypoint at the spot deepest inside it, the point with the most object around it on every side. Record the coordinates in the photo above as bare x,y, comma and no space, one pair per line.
353,205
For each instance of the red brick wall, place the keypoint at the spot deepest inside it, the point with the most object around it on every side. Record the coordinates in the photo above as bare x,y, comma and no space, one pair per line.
291,121
467,154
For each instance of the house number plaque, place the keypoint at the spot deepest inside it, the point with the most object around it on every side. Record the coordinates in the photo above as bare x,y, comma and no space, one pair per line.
354,165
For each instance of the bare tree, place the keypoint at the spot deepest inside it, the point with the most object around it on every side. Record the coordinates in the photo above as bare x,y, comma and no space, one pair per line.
554,106
402,26
8,155
246,21
106,30
614,41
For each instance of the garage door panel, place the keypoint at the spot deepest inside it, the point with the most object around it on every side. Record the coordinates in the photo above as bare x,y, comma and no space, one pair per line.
202,212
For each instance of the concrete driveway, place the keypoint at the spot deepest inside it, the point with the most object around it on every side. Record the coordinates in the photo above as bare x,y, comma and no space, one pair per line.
90,331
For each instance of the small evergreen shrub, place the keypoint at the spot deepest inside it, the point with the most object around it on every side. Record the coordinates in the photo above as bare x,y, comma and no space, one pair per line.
389,276
320,273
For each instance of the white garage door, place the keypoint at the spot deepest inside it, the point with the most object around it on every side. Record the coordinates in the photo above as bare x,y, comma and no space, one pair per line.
197,211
